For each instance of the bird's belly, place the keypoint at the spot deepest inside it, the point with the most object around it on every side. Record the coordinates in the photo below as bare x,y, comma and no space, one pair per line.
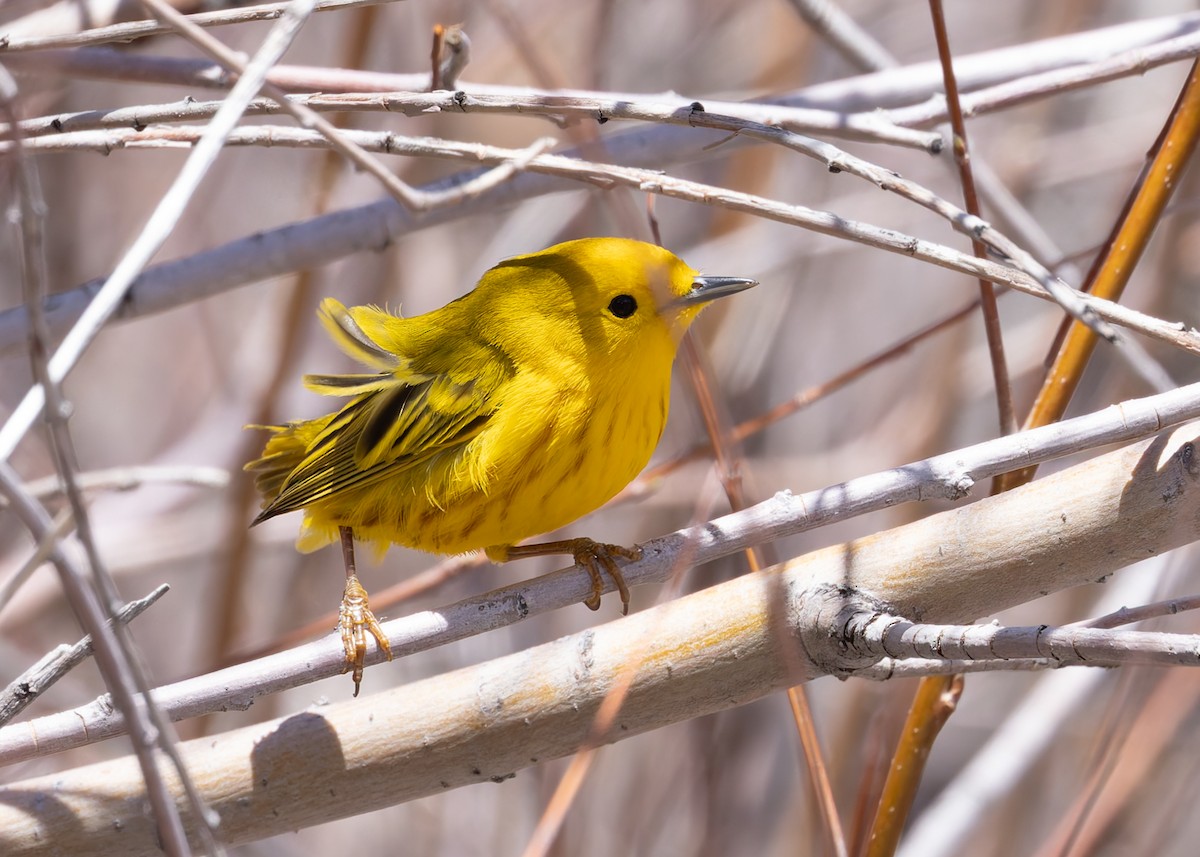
532,478
516,479
565,471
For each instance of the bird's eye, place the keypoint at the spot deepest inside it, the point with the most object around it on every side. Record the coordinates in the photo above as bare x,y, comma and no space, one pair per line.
623,306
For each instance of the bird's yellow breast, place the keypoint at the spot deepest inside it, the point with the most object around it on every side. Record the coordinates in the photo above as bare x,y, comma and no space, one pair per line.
512,411
551,453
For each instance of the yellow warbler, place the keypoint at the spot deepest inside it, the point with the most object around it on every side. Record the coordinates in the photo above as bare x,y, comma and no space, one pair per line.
509,412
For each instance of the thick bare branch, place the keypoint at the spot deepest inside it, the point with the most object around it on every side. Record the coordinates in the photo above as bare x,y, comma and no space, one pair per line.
948,476
488,721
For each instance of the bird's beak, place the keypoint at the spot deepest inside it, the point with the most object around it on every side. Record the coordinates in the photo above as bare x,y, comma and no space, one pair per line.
705,289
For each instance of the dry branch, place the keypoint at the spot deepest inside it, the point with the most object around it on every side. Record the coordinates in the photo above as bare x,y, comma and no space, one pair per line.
24,34
560,167
948,476
719,648
57,663
892,88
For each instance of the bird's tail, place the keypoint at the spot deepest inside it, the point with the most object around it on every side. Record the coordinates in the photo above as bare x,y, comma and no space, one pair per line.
284,451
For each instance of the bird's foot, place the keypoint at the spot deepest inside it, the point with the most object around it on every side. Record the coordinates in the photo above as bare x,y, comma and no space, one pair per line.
355,621
596,558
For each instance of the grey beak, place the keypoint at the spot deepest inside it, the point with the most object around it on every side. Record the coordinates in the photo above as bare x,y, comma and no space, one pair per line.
705,289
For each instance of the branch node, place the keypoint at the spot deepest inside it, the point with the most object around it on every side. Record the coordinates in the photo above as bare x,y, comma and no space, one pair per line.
830,622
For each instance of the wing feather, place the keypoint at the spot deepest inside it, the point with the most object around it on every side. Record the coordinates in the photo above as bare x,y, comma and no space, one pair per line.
397,419
349,336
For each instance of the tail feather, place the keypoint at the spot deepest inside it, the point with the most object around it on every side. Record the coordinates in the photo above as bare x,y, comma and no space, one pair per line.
284,451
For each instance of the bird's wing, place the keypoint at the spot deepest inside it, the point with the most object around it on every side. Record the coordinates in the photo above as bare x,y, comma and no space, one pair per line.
424,405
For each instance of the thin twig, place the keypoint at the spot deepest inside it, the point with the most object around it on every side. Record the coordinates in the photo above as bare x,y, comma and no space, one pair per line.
92,607
937,697
935,701
962,156
818,770
839,30
947,476
556,107
63,524
161,223
1129,615
877,633
1054,82
729,466
132,30
132,478
1112,270
435,58
45,673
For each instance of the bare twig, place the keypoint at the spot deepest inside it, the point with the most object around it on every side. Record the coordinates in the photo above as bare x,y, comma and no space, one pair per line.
42,676
131,478
45,547
128,685
936,699
133,30
895,637
1129,615
948,476
720,646
1001,96
607,175
987,293
556,107
840,30
160,225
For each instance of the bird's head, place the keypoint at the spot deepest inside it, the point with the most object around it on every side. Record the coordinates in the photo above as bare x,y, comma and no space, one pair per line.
613,299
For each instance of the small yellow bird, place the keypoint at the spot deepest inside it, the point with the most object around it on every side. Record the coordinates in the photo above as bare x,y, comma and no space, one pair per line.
509,412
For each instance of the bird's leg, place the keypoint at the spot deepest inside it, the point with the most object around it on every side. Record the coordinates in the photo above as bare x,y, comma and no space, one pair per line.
355,618
588,555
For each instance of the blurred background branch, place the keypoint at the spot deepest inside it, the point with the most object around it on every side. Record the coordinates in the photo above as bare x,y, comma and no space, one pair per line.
845,362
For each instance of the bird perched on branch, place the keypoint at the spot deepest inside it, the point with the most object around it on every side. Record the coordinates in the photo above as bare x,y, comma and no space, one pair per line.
509,412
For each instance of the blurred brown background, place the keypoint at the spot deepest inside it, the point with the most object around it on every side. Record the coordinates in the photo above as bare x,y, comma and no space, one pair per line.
177,387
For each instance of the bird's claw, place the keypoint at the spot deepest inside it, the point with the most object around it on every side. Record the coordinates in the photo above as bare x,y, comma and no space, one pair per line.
355,621
590,556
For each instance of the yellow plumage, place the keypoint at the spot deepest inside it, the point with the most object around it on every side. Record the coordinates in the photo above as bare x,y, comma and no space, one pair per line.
509,412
